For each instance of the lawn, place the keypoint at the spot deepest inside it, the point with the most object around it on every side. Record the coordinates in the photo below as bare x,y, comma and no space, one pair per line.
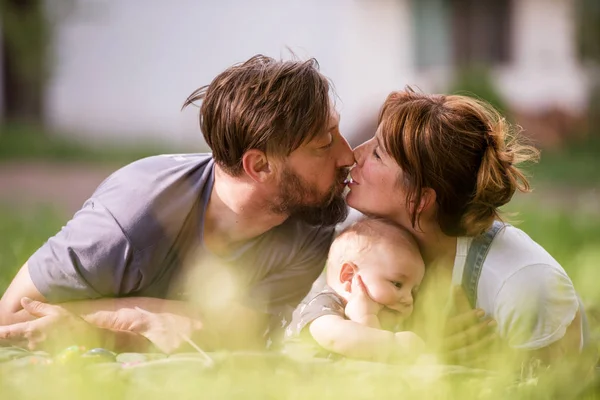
571,236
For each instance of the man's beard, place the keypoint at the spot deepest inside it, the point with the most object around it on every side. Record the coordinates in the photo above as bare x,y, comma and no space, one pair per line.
328,209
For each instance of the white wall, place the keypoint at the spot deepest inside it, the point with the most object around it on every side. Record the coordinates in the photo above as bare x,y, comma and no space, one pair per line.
124,68
545,71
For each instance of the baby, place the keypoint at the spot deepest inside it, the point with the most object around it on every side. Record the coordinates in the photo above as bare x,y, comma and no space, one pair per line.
373,270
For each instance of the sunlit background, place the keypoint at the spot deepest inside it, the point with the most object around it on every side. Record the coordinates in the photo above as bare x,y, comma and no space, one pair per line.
87,86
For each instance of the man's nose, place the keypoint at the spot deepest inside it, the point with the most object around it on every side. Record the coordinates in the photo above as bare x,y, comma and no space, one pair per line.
345,154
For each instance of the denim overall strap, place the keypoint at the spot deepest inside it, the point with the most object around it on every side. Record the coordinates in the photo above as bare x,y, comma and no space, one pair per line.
475,258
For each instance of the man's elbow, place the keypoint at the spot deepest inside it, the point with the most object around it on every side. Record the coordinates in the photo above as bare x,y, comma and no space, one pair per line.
11,310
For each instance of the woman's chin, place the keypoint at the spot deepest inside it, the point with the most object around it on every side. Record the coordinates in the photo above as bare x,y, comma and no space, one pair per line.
353,201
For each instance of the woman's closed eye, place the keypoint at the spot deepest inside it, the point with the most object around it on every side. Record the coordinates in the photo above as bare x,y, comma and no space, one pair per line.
375,153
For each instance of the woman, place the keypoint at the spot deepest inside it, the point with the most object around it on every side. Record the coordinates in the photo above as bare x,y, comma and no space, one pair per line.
441,167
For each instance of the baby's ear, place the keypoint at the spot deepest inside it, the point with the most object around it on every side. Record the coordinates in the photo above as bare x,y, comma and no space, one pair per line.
347,273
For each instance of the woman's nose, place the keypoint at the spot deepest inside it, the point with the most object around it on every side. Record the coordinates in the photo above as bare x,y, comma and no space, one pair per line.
359,154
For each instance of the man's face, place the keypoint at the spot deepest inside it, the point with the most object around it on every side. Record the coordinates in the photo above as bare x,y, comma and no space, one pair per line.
311,181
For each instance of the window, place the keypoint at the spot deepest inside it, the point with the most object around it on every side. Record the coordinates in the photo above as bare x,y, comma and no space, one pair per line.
462,32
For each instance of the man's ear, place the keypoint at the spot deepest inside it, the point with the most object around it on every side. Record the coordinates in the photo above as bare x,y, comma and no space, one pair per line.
347,272
256,165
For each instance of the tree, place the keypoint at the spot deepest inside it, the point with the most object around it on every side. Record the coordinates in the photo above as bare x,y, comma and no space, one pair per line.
25,38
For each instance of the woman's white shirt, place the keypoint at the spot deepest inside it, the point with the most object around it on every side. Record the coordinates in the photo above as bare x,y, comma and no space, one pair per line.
523,288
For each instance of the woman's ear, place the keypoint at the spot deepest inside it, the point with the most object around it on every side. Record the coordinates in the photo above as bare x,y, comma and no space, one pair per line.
428,198
347,273
256,165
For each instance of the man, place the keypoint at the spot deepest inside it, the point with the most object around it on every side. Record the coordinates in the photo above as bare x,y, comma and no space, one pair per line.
215,243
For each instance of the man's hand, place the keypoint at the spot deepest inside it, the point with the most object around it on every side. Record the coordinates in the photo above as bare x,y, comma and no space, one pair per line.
468,339
54,327
360,307
167,331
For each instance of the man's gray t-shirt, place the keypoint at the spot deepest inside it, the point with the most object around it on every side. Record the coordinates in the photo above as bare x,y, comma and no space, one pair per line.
321,300
145,222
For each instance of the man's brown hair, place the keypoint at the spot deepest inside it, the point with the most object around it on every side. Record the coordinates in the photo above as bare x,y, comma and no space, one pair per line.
265,104
460,147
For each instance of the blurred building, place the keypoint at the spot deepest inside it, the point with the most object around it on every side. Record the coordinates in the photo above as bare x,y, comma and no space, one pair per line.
120,70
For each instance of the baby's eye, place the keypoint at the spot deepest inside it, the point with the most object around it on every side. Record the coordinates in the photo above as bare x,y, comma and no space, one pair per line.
397,284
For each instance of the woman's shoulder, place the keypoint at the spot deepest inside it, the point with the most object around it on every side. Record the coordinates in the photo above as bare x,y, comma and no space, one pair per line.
526,290
516,262
512,250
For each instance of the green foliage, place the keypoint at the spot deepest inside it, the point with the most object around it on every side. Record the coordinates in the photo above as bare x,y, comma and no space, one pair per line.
588,29
476,81
21,233
571,238
27,35
575,165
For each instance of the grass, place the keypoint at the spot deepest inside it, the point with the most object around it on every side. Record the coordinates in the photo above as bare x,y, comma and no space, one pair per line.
23,142
21,234
571,236
248,380
577,164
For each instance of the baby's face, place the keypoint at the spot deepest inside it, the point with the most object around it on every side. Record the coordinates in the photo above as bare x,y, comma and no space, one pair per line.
392,274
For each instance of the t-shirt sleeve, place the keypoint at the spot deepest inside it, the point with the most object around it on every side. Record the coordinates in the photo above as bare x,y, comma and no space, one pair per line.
89,258
281,291
535,306
323,303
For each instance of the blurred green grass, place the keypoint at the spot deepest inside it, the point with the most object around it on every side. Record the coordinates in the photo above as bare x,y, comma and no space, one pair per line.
30,143
577,164
22,232
571,236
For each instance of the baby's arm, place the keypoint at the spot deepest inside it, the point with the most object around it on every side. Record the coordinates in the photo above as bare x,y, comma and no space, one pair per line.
353,340
360,336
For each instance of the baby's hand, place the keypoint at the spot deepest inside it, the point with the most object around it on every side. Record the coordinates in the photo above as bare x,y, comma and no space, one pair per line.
360,307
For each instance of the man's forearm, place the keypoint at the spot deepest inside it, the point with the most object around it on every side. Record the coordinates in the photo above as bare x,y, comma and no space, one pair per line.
121,325
120,314
237,327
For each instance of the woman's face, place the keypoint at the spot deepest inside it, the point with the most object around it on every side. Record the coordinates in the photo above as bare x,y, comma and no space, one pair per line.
376,187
